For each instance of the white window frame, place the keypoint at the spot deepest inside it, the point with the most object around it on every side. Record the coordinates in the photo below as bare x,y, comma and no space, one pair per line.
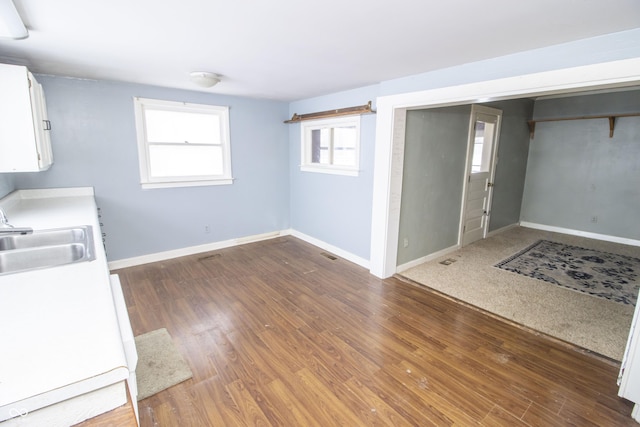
149,182
306,145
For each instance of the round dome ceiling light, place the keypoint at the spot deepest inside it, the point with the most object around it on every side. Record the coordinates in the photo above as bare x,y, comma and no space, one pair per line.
204,78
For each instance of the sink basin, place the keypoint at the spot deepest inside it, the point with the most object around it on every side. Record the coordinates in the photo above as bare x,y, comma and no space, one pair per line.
58,236
45,248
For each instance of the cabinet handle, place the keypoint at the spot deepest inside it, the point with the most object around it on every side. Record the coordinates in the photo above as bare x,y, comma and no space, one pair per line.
47,124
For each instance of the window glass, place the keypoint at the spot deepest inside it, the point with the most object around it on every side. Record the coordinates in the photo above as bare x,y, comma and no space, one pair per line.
170,160
345,146
175,126
476,162
481,158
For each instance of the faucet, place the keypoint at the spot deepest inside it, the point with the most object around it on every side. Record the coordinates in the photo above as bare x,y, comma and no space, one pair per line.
6,228
3,218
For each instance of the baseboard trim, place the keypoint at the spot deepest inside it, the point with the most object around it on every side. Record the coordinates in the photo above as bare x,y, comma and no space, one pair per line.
163,256
333,249
502,229
587,234
192,250
430,257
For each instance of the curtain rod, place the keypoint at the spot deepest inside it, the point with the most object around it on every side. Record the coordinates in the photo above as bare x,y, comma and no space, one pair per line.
361,109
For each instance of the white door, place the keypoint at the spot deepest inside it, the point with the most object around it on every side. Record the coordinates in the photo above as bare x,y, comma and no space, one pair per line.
484,128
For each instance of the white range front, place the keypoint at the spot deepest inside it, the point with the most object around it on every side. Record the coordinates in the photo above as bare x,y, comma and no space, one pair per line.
59,333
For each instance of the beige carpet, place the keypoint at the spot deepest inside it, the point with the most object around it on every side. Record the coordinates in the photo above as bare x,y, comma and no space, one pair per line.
599,325
160,365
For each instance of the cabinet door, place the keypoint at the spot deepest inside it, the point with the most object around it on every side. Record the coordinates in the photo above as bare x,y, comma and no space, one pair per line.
41,124
24,143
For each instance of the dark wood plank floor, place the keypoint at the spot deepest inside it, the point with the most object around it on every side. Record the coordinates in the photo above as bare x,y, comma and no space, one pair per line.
278,334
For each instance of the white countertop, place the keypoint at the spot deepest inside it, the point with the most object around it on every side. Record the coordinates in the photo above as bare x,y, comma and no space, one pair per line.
59,334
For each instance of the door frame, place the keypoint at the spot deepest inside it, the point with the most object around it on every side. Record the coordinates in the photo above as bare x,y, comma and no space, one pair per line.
391,123
475,110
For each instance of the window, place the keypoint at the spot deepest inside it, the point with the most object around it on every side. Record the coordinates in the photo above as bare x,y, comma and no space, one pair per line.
481,158
181,144
331,145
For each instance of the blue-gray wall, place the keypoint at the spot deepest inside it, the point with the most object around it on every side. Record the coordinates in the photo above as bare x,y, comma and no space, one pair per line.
6,184
433,175
94,144
335,209
513,150
576,172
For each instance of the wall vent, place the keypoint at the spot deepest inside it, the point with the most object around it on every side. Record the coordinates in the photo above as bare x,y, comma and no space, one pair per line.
208,257
328,255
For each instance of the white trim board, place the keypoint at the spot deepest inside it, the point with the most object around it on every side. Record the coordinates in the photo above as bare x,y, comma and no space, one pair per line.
390,122
446,251
430,257
192,250
333,249
587,234
406,266
502,229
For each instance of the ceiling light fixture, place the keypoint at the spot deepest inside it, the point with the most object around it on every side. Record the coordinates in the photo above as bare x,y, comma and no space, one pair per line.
11,25
204,78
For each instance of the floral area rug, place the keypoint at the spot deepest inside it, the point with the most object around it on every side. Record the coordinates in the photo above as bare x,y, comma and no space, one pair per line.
601,274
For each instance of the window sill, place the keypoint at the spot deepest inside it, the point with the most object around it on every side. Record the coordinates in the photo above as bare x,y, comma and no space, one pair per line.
177,184
332,171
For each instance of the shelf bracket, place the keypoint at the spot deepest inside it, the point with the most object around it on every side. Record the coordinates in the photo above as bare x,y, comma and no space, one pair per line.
532,128
612,125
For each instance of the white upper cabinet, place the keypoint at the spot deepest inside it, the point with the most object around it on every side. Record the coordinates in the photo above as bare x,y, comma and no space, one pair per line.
25,144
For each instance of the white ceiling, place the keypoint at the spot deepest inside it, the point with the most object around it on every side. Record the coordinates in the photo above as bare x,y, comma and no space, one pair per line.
293,49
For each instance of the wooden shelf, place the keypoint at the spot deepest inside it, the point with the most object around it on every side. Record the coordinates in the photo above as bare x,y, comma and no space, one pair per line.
361,109
612,121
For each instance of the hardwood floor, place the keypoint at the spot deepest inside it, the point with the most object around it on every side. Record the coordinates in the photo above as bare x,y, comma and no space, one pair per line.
276,333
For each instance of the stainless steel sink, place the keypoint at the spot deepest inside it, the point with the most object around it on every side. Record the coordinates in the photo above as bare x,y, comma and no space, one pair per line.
45,248
59,236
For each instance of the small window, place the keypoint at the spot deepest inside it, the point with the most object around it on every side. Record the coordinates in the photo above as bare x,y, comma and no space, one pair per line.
481,158
331,145
181,144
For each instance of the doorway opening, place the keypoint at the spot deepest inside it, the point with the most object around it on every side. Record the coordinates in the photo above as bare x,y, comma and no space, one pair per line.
391,122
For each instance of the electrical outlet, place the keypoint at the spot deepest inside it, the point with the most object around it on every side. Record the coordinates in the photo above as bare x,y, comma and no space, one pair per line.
207,229
405,243
594,219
